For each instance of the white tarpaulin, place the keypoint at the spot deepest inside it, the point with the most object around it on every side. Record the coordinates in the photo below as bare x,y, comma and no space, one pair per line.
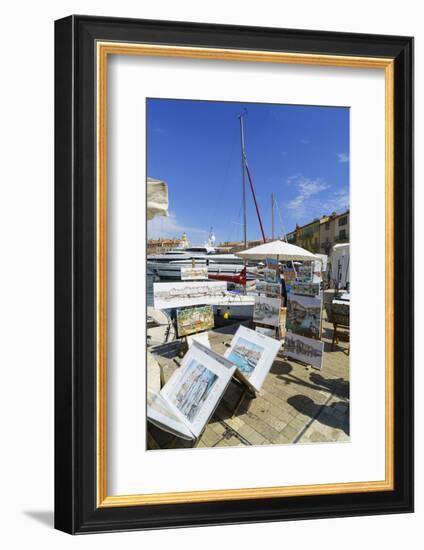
157,198
278,250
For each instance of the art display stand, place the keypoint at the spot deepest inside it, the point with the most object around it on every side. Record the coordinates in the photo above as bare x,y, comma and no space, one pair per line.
309,290
246,391
296,360
270,288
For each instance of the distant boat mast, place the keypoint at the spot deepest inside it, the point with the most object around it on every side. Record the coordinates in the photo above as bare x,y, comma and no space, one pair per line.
243,175
245,170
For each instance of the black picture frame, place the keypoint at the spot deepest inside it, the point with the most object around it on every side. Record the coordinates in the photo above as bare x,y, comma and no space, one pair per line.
76,509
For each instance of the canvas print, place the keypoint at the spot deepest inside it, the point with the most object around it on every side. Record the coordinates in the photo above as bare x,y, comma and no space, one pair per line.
305,289
194,319
271,275
195,388
245,354
267,310
174,295
246,342
289,275
194,273
304,273
272,270
187,400
253,353
308,350
304,315
272,290
266,331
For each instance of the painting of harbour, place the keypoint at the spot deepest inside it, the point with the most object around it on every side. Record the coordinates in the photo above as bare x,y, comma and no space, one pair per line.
307,350
272,290
179,294
305,289
194,273
304,315
246,355
266,331
194,389
267,311
304,272
194,319
289,276
271,275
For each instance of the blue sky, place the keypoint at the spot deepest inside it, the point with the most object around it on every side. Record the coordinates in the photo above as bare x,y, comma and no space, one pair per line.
300,153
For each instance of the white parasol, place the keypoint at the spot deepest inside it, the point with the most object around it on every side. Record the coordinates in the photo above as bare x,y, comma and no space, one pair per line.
278,250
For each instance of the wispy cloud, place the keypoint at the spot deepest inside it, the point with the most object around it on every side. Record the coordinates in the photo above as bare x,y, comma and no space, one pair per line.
305,141
314,199
343,157
158,130
169,227
293,179
307,188
336,202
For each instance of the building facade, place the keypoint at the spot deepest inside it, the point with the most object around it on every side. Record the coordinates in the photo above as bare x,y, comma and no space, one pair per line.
326,233
341,229
307,236
320,235
237,246
160,246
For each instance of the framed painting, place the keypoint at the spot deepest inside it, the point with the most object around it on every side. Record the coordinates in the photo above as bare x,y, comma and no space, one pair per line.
185,149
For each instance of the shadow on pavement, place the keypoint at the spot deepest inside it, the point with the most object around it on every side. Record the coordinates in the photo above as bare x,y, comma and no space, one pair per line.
327,415
337,386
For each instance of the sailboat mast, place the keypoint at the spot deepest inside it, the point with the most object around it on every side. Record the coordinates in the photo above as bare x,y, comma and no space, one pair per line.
243,163
272,214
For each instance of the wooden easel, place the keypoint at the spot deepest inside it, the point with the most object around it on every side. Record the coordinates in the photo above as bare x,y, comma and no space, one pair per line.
245,391
299,361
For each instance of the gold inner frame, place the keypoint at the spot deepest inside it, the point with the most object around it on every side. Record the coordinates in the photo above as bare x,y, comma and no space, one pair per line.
104,49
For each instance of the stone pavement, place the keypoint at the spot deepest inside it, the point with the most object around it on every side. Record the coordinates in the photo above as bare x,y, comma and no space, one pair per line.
297,404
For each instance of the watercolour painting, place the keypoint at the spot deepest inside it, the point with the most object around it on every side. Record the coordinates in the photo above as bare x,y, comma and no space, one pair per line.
304,315
195,319
307,350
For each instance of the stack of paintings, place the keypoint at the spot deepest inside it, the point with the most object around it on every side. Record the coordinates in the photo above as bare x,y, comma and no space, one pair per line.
303,323
268,299
187,401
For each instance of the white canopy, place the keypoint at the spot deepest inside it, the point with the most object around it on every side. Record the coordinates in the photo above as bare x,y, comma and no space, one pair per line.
157,198
278,250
